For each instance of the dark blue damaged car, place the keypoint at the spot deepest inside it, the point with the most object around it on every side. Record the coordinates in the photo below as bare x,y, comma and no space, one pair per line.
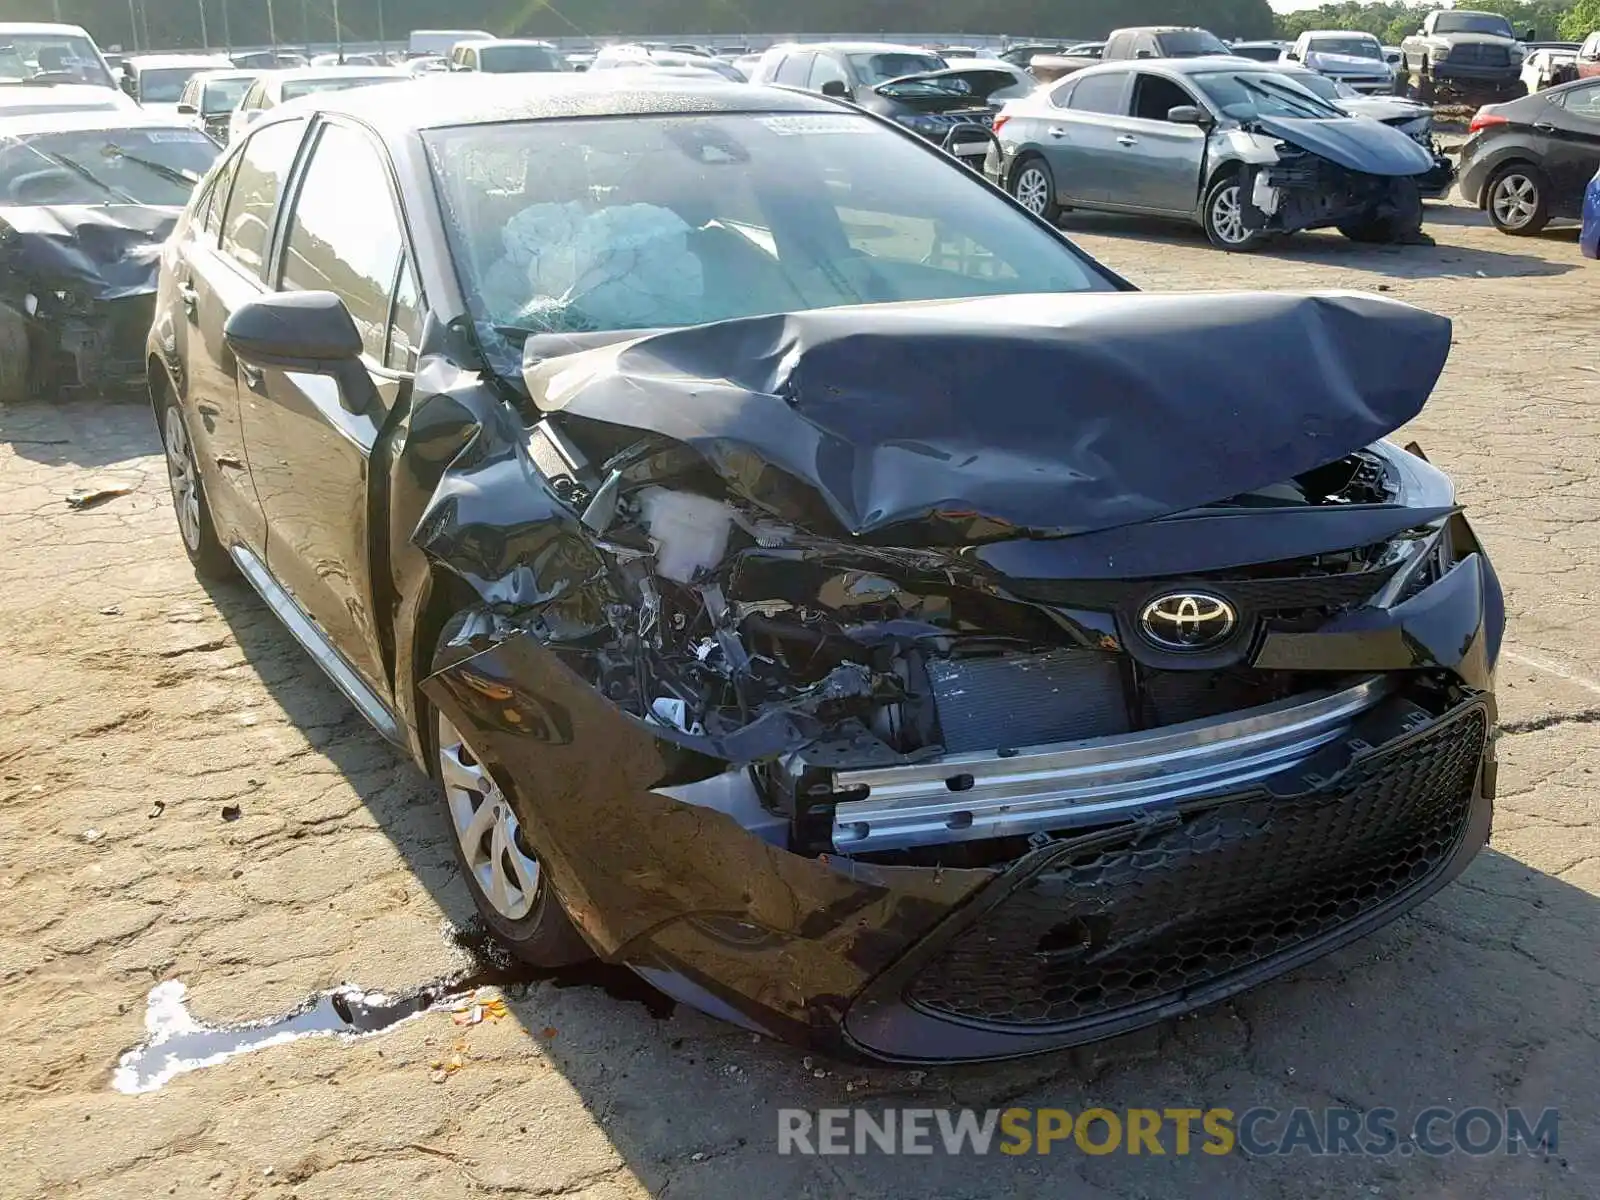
813,582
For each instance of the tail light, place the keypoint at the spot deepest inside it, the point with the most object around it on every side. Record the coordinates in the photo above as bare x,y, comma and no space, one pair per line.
1486,117
999,123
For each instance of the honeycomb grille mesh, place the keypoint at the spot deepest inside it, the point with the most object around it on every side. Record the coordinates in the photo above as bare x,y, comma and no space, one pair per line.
1231,886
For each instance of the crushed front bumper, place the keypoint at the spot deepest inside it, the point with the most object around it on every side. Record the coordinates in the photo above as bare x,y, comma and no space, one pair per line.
1092,936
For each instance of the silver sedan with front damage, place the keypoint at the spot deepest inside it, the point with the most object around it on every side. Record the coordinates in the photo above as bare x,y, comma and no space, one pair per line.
1237,147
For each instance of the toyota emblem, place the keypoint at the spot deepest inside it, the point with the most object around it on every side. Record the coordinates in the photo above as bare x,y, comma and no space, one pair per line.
1188,621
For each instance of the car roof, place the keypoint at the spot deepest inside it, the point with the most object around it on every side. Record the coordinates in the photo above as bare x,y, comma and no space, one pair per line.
300,74
858,47
226,73
475,98
1361,33
106,120
1177,66
42,27
20,91
158,61
480,43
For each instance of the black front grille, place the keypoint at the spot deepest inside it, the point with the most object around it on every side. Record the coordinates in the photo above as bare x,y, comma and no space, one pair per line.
1228,887
1285,593
1475,54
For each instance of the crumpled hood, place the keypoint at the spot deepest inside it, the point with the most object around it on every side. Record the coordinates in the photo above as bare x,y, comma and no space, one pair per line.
1345,64
1043,414
101,252
1383,108
1354,143
984,82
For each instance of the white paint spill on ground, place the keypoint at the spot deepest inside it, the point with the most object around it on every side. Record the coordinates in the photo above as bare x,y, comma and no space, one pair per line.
178,1044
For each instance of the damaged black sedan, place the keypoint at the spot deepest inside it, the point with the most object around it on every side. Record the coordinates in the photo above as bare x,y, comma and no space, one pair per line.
1243,150
86,200
811,580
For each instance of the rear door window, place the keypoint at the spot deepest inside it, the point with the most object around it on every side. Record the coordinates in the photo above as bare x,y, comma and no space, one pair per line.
825,70
795,69
1100,94
263,167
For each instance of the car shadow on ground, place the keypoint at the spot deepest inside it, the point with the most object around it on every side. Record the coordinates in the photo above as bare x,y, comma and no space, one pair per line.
1483,997
1332,249
84,431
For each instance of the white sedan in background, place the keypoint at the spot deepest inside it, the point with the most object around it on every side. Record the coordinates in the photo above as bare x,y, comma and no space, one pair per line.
277,87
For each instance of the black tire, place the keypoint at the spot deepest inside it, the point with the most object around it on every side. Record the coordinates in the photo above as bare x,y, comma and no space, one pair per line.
1517,198
1423,90
1223,217
536,929
1027,178
1401,220
196,530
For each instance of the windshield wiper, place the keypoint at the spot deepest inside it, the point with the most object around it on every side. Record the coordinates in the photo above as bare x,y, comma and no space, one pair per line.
1284,96
170,174
82,172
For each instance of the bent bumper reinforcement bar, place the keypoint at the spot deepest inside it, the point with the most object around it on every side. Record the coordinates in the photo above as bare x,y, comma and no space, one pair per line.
967,797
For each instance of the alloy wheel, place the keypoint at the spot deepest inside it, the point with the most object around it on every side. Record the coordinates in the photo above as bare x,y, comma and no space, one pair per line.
1227,216
492,845
1515,200
1033,190
184,479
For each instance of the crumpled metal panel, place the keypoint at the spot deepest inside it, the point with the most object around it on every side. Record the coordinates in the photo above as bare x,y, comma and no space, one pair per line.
99,253
1050,414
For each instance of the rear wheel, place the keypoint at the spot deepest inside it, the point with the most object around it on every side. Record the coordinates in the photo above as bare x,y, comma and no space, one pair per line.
206,553
499,864
1224,217
1518,199
1034,187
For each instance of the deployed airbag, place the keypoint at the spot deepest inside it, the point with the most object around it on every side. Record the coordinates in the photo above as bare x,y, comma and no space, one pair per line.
1050,414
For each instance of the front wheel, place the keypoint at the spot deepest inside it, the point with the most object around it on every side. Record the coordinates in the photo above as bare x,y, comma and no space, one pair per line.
1398,220
499,864
1224,217
1034,187
1519,199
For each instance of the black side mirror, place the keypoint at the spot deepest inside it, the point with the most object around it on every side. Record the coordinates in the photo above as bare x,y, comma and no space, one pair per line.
837,88
1186,114
188,110
1144,54
298,330
1530,34
309,332
1291,56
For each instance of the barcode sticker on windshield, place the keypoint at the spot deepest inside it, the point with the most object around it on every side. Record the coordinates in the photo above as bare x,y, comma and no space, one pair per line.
790,126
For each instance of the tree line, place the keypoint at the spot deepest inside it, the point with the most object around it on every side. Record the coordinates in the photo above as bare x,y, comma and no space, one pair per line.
173,24
1551,20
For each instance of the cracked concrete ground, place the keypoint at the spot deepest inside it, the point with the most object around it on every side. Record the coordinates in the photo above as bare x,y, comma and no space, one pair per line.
135,706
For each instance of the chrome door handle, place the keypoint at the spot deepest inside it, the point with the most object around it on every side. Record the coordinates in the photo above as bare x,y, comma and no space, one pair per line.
1127,140
189,298
1544,127
1056,131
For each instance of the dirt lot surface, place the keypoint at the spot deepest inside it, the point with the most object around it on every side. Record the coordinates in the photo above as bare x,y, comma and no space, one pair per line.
136,708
